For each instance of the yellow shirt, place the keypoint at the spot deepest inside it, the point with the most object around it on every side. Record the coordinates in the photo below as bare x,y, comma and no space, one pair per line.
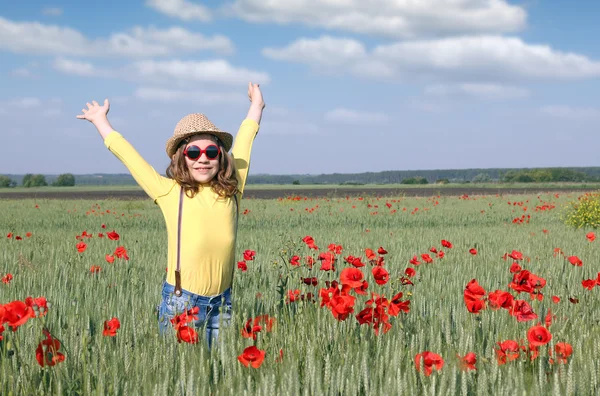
208,222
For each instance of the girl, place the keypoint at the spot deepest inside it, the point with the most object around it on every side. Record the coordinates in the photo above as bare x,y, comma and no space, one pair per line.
200,203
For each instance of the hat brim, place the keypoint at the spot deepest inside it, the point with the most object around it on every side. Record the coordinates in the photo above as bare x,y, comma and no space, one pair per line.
225,138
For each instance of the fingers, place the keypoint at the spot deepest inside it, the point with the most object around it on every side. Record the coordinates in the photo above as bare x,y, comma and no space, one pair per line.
95,103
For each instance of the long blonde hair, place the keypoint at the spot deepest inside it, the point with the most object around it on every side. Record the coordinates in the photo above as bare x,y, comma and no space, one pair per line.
225,182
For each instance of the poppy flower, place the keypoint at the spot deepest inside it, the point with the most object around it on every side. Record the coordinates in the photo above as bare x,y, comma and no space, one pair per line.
110,327
293,295
468,361
441,254
103,226
410,272
396,305
508,350
9,235
121,252
295,261
555,299
186,317
538,336
17,313
310,281
591,236
433,249
39,305
250,329
113,236
7,278
310,242
370,254
522,311
576,261
473,251
500,299
242,266
81,246
47,353
252,356
381,250
589,283
342,305
28,234
109,259
336,249
327,261
352,277
354,261
427,258
187,334
95,268
446,244
381,275
515,267
563,351
249,255
18,238
414,261
428,360
362,289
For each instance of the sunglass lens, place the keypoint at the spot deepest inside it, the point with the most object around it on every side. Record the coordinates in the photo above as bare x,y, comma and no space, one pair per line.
212,152
193,152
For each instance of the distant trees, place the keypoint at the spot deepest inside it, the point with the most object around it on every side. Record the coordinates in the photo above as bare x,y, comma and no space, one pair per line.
6,181
481,178
415,180
30,180
64,180
545,175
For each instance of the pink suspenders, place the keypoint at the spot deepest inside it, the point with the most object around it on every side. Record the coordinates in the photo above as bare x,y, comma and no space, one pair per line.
177,291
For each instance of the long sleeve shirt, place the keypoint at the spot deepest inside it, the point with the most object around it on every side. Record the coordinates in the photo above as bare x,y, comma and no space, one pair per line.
208,221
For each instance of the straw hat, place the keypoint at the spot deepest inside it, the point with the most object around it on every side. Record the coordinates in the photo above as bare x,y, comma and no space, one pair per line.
193,124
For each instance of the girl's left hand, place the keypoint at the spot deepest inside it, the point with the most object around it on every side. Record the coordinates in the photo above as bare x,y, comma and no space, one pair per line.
255,95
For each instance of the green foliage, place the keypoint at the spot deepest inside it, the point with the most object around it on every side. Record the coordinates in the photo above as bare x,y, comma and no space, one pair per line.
66,179
481,178
442,181
584,211
30,180
545,175
296,182
415,180
5,181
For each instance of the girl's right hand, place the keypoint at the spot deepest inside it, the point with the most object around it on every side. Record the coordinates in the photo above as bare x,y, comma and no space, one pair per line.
95,112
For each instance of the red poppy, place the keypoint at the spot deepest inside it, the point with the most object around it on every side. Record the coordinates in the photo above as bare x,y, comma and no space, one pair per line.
473,251
508,350
28,234
396,305
352,277
538,336
563,351
187,334
433,249
17,313
7,278
576,261
500,299
113,236
121,252
47,353
468,361
249,255
103,226
186,317
427,258
109,259
516,255
414,261
251,329
591,236
362,289
252,356
354,261
429,361
39,305
310,281
293,295
522,311
446,244
342,305
95,268
381,250
18,238
337,249
370,254
100,235
589,283
555,299
9,235
81,246
441,254
328,260
295,261
310,242
515,267
242,266
410,272
110,327
381,275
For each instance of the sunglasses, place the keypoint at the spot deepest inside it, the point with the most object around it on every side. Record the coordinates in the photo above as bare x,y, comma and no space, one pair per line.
194,152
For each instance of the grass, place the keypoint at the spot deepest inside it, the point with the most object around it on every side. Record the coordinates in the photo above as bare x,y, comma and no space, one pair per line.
321,354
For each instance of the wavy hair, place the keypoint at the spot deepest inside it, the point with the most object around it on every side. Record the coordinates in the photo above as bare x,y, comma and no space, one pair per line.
225,183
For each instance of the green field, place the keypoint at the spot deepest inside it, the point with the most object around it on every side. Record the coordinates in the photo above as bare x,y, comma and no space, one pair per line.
321,355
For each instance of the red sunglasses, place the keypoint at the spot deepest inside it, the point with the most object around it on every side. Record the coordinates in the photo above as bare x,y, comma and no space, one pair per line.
194,152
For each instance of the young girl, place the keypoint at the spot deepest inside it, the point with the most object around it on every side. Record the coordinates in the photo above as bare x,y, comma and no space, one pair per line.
200,201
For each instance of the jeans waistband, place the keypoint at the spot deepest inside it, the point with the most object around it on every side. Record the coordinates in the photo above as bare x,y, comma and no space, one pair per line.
169,288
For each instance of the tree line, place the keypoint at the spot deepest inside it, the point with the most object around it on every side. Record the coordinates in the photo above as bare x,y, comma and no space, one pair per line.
496,175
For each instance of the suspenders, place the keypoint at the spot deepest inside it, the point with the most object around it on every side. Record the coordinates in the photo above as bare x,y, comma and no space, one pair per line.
177,291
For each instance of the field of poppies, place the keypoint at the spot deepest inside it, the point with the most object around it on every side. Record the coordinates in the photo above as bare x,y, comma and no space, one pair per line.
434,295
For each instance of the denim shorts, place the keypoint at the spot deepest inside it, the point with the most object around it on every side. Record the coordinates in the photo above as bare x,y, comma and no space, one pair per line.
214,313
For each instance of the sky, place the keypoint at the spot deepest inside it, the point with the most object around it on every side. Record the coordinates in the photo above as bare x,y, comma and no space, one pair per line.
350,85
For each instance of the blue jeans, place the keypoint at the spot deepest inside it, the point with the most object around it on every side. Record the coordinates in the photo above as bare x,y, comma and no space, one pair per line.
214,314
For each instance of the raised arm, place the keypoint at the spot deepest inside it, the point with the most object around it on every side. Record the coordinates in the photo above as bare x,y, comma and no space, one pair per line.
242,147
151,181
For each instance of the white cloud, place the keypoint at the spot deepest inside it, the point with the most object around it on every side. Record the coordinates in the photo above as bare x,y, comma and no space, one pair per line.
346,116
154,94
401,19
476,58
570,112
52,11
214,71
483,91
85,69
30,106
181,9
26,103
40,39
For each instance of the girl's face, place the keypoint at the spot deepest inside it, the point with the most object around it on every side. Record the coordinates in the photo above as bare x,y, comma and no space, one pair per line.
203,169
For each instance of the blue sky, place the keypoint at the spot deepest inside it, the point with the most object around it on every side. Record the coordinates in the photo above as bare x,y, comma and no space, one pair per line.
364,86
